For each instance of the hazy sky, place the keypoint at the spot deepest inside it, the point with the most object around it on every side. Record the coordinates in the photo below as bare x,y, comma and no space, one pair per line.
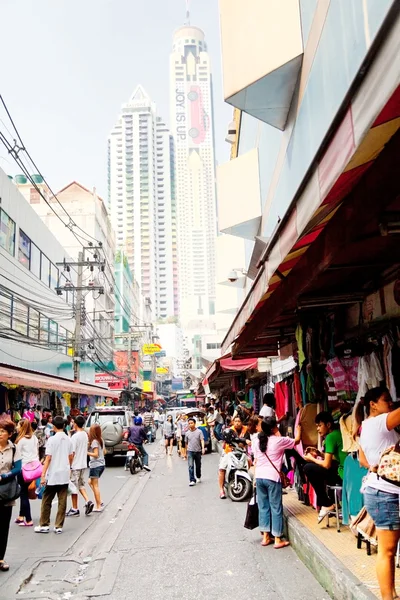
66,66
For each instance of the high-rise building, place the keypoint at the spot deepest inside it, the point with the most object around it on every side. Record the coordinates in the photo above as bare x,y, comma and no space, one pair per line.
139,198
192,129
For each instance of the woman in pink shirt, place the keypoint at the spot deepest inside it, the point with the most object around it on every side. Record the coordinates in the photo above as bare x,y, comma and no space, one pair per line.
268,449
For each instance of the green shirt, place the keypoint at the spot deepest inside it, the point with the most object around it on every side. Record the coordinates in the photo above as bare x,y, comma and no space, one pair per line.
334,446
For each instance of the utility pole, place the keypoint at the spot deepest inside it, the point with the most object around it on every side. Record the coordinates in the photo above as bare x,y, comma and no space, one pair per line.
78,320
130,360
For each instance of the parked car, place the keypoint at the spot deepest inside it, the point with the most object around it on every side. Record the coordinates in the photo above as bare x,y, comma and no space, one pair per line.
114,422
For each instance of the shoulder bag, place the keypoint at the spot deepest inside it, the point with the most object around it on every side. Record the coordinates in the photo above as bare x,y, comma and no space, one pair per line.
389,465
251,520
9,488
285,481
32,470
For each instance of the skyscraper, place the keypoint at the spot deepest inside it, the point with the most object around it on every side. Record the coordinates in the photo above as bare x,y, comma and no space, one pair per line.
139,198
192,129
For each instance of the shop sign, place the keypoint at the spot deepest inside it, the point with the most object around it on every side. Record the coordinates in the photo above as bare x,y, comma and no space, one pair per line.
162,370
150,349
147,386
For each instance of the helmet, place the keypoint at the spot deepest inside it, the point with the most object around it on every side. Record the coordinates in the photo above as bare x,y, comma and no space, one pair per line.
138,420
229,436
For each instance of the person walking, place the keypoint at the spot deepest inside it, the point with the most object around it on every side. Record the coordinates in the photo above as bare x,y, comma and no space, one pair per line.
268,449
10,468
80,443
169,431
381,498
55,476
28,446
41,436
195,449
138,437
97,463
182,427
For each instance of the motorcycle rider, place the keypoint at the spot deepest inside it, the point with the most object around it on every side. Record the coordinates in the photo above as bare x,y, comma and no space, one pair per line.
138,436
240,431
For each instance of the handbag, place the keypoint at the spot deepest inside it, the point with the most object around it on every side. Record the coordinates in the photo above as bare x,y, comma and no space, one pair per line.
32,470
251,519
285,481
32,490
389,465
9,488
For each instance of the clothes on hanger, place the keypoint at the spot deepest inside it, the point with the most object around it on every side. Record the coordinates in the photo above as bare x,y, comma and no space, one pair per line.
352,498
346,429
370,374
300,349
387,343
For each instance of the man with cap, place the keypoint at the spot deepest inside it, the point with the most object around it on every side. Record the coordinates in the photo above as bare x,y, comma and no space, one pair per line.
138,436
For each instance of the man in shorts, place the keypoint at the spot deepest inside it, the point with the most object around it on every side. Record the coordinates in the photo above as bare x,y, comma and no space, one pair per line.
80,442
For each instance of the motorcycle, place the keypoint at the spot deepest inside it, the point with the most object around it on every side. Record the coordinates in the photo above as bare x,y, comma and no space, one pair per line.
238,481
134,460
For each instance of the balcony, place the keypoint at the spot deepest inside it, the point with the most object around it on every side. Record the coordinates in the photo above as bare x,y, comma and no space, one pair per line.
239,199
260,77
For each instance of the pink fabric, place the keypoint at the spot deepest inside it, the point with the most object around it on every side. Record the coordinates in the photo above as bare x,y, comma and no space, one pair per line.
30,415
344,372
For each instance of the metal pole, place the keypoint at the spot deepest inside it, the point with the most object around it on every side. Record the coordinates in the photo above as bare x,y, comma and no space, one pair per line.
78,320
130,360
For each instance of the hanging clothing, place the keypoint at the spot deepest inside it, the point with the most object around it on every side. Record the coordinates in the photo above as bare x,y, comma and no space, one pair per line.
387,365
344,372
282,399
352,498
370,374
309,434
300,349
297,390
330,389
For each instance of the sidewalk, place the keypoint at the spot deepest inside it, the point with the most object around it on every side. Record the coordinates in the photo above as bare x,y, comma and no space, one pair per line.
345,572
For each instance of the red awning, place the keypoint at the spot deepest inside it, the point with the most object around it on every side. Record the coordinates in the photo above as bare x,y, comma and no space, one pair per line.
38,381
245,364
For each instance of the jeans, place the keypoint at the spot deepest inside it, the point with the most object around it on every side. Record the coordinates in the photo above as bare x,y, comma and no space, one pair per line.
319,477
218,431
194,458
270,508
24,504
145,456
5,518
383,507
49,494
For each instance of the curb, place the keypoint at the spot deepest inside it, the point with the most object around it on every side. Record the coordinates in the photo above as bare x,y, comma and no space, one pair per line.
328,570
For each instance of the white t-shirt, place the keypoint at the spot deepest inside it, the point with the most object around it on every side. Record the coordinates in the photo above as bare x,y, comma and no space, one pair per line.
59,447
80,443
374,439
267,411
28,448
275,449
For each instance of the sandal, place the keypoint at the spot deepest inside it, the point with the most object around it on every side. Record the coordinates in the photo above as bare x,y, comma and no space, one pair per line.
222,496
267,543
18,520
281,545
25,524
4,566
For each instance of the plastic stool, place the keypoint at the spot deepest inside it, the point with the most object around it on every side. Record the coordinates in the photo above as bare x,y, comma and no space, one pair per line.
337,491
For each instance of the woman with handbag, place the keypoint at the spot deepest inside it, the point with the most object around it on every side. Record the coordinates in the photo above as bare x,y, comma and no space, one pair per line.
381,497
28,446
10,467
269,449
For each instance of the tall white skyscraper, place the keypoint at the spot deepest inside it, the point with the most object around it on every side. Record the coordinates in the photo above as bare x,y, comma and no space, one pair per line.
192,129
140,198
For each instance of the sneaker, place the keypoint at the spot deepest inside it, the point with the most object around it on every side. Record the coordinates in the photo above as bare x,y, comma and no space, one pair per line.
146,468
89,506
57,530
199,480
192,483
73,512
40,529
126,467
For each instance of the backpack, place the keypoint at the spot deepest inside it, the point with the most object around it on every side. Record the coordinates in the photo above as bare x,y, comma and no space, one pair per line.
41,436
389,465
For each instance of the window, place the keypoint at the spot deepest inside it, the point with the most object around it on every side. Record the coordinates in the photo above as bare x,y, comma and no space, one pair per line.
44,329
35,260
24,249
5,312
19,321
53,276
7,233
53,332
45,270
213,346
33,324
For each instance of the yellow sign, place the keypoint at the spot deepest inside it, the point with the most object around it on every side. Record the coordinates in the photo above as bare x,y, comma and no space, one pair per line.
162,370
150,349
147,386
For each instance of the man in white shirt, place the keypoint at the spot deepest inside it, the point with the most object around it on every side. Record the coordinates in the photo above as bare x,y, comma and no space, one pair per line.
80,443
55,476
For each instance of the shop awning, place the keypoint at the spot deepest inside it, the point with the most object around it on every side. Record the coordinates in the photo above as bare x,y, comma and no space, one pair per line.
38,381
228,364
224,368
363,149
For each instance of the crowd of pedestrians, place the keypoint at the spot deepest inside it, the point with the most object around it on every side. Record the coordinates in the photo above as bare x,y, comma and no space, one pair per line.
47,458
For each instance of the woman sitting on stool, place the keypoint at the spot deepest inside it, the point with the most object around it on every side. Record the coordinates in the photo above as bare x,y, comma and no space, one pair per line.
325,468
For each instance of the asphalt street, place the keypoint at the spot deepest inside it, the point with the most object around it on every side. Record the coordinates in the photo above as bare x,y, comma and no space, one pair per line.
157,538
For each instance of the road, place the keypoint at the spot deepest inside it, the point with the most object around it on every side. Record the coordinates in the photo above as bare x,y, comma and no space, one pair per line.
157,538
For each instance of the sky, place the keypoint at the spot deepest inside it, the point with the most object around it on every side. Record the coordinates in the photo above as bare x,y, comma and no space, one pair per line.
66,67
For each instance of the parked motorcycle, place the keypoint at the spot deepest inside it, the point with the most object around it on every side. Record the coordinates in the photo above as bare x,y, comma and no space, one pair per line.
238,481
134,459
